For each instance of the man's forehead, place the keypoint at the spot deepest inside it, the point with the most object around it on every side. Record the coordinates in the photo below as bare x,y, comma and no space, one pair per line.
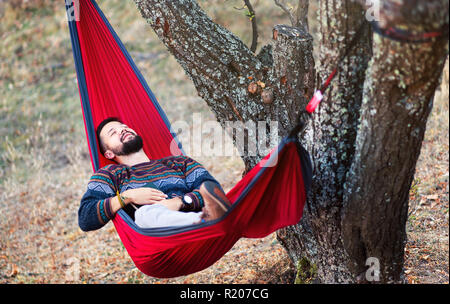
110,126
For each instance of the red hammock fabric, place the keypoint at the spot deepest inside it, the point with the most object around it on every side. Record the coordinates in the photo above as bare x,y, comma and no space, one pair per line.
275,201
114,88
266,199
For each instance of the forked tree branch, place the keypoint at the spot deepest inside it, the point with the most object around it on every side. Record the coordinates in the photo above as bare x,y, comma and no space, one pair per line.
300,18
288,11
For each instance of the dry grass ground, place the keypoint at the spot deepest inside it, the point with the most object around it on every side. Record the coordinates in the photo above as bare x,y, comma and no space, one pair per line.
427,248
44,162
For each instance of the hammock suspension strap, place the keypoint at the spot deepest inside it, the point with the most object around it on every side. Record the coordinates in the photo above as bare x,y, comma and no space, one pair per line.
405,36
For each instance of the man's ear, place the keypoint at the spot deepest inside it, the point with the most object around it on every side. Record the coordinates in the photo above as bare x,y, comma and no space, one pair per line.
109,154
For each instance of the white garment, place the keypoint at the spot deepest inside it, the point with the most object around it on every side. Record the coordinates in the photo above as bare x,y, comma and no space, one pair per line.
157,215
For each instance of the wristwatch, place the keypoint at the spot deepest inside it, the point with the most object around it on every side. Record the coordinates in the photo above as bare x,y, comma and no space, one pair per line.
186,199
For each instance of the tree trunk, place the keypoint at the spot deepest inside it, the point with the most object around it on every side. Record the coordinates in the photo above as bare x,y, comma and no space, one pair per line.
365,137
237,85
317,239
357,211
398,97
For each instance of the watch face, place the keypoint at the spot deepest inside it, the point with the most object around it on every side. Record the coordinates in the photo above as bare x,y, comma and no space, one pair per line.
187,199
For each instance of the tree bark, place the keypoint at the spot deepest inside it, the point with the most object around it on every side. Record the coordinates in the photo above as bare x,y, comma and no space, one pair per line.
365,137
331,142
398,97
358,207
223,68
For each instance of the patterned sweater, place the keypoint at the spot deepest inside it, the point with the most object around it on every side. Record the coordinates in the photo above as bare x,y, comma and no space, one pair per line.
174,175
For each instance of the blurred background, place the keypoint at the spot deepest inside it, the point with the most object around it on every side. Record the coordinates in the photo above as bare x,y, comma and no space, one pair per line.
45,164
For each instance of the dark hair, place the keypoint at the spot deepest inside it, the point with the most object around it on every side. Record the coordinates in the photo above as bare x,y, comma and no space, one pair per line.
99,129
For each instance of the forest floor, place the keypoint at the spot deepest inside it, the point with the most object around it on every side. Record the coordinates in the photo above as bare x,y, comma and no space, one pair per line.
45,164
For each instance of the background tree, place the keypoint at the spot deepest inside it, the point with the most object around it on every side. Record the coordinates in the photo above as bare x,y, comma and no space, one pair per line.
364,139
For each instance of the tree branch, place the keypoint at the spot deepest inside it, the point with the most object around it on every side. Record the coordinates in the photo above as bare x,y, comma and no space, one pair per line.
254,26
214,58
300,19
302,14
287,11
236,84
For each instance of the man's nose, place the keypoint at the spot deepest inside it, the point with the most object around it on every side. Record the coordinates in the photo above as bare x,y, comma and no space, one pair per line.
124,130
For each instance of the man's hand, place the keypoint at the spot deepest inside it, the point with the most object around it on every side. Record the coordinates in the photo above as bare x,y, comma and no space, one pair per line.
172,204
143,196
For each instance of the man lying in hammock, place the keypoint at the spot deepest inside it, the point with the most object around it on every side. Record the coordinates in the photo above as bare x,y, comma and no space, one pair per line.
172,191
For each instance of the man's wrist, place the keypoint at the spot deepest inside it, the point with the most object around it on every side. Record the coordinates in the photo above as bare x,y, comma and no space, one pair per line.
180,203
126,199
173,203
191,202
123,200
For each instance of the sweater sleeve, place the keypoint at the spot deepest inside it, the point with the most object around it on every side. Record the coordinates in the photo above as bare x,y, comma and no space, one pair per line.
195,174
95,210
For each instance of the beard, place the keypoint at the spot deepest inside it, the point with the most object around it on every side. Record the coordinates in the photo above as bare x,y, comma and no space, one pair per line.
129,147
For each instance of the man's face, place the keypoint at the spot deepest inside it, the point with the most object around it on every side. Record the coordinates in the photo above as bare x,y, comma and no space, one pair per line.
119,140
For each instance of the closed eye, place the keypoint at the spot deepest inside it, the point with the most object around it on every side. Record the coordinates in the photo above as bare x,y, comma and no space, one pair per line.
111,132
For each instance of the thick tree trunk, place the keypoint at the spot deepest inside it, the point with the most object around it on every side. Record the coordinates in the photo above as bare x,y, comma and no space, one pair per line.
317,239
365,137
357,210
399,90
